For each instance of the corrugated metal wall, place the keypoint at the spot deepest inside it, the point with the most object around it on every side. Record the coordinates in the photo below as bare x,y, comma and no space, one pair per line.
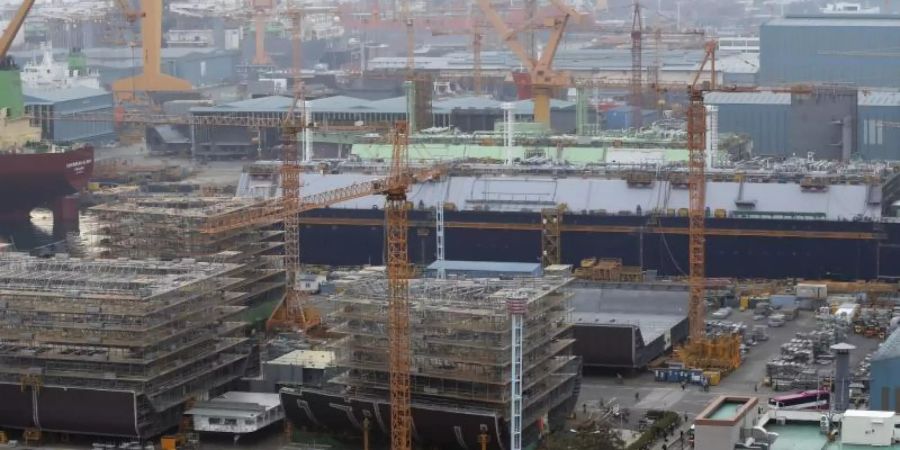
767,125
860,50
877,137
767,119
204,69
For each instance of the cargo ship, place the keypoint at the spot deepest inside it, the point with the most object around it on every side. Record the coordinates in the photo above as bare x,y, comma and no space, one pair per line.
38,175
761,223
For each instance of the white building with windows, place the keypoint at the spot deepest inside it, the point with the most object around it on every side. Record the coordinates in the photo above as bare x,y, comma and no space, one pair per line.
237,412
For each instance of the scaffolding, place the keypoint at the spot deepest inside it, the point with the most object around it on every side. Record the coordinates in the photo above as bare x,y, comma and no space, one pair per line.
167,227
461,342
162,330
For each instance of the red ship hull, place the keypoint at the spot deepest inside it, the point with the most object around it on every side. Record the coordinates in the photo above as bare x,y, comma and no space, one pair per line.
31,180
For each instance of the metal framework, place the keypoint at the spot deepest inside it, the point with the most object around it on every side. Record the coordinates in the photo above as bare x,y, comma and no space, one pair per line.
551,222
292,312
517,306
696,144
637,101
461,343
696,124
396,209
439,236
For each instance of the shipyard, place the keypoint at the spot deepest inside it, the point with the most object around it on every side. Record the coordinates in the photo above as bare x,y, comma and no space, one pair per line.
446,224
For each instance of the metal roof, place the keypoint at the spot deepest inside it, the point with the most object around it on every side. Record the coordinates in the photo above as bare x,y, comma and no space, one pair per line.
866,97
64,94
747,98
835,20
309,359
889,349
879,98
654,311
486,266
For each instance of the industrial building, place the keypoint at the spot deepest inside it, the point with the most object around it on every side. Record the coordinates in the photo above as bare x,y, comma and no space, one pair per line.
637,322
237,412
726,422
884,383
67,101
466,113
795,124
172,227
461,366
201,66
850,49
114,347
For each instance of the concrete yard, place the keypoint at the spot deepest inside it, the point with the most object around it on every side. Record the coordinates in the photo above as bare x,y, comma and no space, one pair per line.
747,380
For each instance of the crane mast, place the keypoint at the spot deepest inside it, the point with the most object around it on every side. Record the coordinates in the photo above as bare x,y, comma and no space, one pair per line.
398,272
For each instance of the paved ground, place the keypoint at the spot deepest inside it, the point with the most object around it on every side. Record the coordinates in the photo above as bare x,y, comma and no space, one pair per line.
747,380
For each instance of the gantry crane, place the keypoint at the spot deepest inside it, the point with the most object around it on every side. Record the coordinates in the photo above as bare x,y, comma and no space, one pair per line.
544,78
696,145
260,9
151,78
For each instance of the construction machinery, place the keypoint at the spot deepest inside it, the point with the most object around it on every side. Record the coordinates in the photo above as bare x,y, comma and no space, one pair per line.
151,78
544,79
398,271
720,352
637,93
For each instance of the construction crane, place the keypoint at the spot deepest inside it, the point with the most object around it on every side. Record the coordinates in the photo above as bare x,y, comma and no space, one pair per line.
260,9
9,34
406,14
696,145
151,78
477,40
544,79
398,271
637,93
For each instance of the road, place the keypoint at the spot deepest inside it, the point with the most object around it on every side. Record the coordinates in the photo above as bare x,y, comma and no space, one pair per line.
745,381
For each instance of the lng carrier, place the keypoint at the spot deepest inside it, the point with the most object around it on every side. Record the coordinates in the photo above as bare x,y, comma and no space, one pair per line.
766,219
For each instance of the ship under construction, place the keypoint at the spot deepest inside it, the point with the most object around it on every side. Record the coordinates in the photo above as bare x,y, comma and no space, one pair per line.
461,365
114,347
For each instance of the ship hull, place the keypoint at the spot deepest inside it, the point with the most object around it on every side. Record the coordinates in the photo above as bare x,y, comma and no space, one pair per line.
28,181
736,247
433,426
69,409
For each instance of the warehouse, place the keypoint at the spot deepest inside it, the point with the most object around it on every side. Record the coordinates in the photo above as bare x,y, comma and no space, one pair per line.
858,49
199,66
636,322
72,100
785,124
466,113
884,383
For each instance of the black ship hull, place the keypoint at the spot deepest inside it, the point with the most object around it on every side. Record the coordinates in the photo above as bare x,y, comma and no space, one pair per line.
433,426
69,410
736,247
